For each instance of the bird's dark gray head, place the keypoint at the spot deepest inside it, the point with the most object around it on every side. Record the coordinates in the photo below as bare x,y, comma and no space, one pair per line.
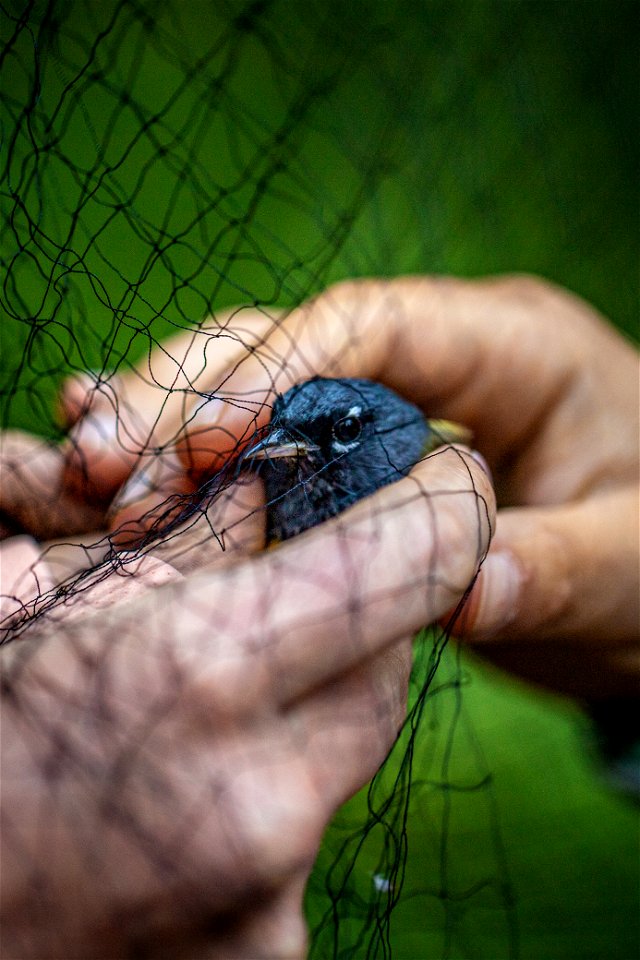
333,442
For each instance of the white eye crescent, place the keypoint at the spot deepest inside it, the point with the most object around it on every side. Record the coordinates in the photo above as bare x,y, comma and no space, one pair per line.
346,431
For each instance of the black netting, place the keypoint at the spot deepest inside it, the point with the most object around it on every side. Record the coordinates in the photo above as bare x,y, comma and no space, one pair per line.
197,171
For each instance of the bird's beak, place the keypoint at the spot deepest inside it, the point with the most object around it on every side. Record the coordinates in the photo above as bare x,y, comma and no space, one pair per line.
446,431
279,444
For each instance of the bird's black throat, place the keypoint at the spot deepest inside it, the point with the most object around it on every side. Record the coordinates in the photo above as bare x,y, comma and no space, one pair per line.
301,492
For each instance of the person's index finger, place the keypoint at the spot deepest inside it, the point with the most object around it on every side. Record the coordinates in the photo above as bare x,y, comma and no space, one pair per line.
320,604
33,493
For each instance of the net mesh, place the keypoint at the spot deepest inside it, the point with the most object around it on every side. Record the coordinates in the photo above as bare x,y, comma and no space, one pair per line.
161,164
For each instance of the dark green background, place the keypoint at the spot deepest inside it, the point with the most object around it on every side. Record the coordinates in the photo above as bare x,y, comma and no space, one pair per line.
160,161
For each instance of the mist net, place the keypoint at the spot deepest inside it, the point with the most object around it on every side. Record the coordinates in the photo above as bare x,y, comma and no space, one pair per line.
176,180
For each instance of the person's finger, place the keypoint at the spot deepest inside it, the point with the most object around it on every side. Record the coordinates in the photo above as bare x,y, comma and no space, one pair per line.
293,618
158,492
351,723
109,436
33,491
132,577
132,418
559,572
24,576
181,363
28,577
68,556
337,595
223,528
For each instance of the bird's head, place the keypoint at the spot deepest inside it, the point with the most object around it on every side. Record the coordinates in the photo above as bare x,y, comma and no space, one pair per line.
333,441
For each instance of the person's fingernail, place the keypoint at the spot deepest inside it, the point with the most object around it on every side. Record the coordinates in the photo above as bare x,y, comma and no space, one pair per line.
499,584
483,463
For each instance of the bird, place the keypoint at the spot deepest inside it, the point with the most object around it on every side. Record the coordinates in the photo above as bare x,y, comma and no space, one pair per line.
333,441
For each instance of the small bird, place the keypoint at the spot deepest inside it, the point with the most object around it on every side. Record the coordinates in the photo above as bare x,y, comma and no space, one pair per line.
332,442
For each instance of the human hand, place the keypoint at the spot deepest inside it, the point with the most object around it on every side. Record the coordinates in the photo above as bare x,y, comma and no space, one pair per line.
550,392
171,760
50,537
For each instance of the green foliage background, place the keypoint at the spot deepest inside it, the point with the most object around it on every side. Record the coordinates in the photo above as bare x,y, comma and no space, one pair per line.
214,154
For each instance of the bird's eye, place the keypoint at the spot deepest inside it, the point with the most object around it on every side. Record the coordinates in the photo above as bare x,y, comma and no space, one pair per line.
347,430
